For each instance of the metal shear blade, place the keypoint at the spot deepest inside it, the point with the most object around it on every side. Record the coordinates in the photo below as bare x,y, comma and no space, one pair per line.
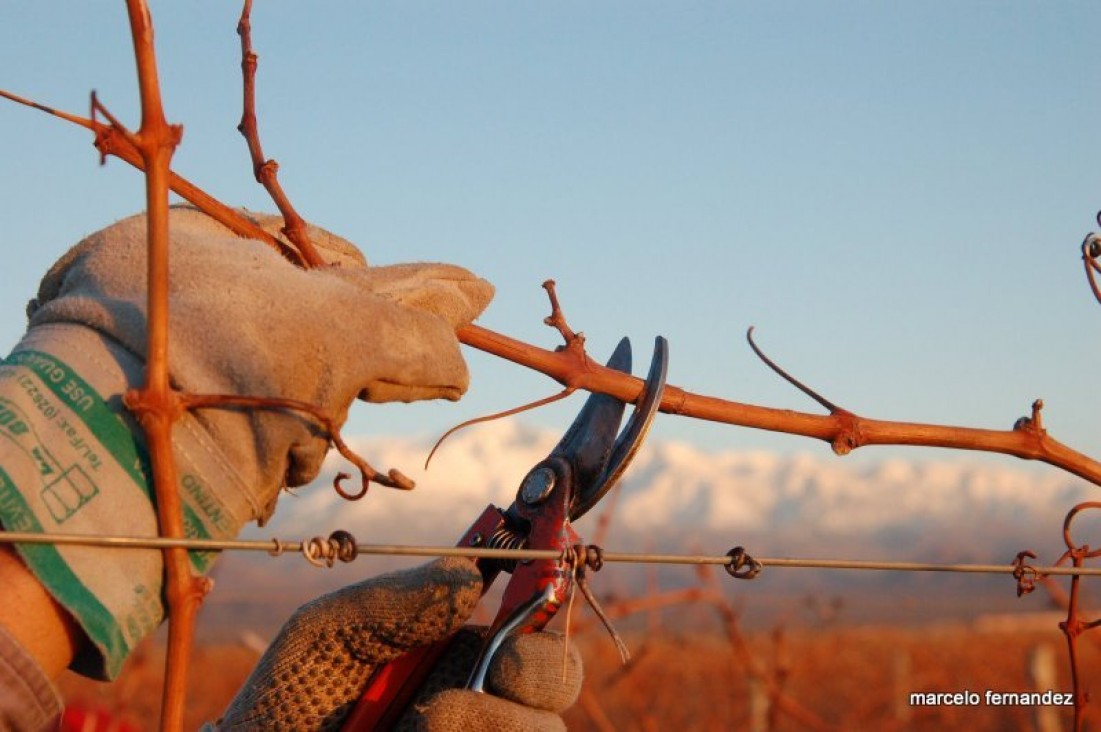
580,470
590,457
633,435
584,465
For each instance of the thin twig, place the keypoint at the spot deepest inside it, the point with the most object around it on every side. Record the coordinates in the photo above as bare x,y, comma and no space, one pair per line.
573,347
110,141
267,171
557,318
830,406
498,415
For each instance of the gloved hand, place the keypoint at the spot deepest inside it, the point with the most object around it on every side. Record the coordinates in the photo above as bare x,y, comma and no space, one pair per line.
242,321
314,671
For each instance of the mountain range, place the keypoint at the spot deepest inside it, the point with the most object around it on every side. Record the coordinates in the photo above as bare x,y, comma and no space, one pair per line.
679,498
972,507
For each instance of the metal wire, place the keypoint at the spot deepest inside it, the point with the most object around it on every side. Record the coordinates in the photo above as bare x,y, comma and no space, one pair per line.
277,547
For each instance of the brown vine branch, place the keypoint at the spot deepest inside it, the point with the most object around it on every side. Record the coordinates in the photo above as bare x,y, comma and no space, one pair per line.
110,141
844,431
155,404
571,367
267,171
573,342
1060,599
1074,626
117,141
113,124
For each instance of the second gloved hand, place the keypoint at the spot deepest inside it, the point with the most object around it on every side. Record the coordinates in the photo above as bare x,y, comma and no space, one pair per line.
315,670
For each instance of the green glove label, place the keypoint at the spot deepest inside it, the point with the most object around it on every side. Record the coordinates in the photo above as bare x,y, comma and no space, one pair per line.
69,464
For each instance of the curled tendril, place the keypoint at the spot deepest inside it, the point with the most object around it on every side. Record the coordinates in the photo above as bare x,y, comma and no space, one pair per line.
498,415
1081,551
779,371
393,478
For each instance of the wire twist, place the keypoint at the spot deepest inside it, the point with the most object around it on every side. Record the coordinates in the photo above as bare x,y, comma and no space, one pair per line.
323,552
1025,574
742,565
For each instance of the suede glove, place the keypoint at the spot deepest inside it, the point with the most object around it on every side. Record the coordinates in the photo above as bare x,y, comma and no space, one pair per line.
312,675
242,321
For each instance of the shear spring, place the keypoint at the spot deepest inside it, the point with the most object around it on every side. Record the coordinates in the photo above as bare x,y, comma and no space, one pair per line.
505,538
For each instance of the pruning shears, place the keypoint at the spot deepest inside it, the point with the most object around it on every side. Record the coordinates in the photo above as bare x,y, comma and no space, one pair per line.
559,489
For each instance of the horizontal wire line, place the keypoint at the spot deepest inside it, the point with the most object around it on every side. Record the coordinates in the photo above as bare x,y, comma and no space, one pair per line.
277,546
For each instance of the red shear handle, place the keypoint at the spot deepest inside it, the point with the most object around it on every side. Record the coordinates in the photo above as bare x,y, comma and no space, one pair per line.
393,686
538,586
532,598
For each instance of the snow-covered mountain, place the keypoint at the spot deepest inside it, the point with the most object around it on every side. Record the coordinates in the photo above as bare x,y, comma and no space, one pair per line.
954,508
968,507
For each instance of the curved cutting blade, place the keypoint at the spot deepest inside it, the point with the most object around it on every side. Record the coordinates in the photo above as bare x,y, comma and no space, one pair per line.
589,442
628,443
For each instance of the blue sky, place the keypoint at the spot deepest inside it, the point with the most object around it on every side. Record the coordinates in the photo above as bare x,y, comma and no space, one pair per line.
894,194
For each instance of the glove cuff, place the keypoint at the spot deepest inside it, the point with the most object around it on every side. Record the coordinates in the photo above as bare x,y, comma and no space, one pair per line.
73,461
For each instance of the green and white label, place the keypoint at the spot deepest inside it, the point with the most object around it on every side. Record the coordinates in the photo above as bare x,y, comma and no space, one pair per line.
70,464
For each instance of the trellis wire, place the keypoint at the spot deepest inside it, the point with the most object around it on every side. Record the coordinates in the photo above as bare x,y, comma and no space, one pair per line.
277,547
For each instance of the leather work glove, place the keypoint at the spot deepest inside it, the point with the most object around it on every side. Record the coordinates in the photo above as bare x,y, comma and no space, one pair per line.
243,321
312,675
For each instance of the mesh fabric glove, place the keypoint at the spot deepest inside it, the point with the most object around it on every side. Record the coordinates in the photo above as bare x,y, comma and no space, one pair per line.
243,321
315,670
531,681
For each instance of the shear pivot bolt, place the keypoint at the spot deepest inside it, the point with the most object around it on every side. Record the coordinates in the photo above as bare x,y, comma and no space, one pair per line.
538,485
